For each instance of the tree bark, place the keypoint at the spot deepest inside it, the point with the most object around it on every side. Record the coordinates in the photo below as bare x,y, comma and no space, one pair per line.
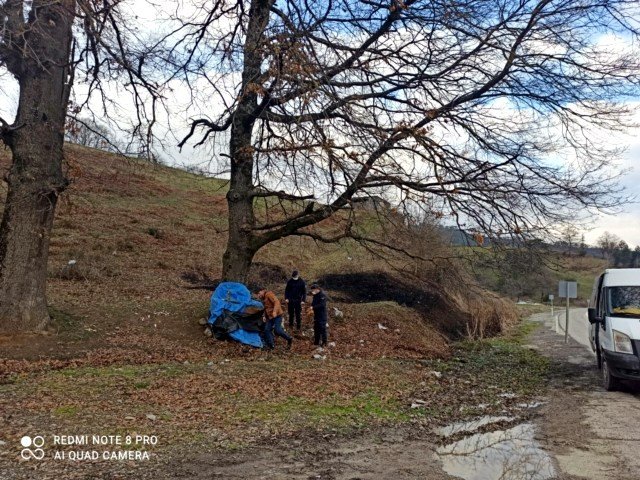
242,243
36,177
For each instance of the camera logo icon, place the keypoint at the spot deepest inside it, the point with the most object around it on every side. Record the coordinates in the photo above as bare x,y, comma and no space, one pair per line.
32,447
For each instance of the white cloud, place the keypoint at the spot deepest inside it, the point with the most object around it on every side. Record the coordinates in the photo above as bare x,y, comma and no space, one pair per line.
625,224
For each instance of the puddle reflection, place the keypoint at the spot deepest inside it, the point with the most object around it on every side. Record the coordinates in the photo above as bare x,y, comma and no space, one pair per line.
511,454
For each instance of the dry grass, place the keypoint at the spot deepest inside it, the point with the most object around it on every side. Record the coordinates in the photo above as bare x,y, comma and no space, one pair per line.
478,313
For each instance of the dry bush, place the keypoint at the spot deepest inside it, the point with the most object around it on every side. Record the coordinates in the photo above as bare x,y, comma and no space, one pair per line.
483,312
479,312
488,314
428,263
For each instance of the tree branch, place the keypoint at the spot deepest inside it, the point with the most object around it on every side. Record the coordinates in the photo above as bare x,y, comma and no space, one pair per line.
282,195
211,127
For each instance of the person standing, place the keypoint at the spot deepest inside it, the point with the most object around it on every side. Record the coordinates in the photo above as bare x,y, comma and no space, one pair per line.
295,294
273,318
320,315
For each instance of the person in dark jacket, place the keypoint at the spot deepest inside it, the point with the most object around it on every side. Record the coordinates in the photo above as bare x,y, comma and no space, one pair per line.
320,315
295,295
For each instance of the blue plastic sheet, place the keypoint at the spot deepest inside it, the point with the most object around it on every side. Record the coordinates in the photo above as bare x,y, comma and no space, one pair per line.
248,338
234,297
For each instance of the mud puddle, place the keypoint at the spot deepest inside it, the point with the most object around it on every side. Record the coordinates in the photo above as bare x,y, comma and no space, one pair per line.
511,453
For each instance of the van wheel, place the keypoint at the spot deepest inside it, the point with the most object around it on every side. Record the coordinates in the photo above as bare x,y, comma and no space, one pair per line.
609,382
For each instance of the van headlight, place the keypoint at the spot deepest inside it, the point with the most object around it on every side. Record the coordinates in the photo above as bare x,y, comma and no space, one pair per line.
621,342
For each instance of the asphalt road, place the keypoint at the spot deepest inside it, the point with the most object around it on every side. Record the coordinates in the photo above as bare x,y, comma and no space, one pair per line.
591,433
578,324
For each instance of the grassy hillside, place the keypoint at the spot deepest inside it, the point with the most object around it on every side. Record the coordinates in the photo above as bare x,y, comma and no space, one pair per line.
126,353
139,233
583,270
132,229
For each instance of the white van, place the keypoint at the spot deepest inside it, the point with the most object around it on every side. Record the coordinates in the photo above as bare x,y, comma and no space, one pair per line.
614,315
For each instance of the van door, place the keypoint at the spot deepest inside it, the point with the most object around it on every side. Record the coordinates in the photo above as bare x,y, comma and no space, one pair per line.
603,336
593,303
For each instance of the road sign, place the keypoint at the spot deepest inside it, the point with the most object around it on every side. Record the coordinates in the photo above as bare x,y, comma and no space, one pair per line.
567,289
551,297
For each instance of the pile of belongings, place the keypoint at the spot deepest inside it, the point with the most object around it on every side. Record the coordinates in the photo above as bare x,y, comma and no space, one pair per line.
235,315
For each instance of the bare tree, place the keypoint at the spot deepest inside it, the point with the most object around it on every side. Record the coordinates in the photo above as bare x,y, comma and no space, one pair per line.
450,107
582,247
607,243
569,235
45,45
89,133
635,258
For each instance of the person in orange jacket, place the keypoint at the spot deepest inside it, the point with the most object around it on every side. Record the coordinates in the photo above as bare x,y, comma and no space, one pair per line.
273,318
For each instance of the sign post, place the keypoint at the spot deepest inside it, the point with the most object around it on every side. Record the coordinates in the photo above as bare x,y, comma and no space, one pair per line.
551,297
568,290
566,323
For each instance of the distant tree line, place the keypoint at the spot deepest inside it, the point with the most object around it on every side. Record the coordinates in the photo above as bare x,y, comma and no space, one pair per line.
618,252
608,246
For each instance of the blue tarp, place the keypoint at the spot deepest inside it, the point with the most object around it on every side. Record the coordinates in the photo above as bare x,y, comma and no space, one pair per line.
248,338
232,297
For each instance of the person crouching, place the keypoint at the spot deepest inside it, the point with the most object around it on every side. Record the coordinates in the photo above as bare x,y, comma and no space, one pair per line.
273,318
320,316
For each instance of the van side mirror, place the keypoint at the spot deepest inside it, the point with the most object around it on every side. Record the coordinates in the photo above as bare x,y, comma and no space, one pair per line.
591,312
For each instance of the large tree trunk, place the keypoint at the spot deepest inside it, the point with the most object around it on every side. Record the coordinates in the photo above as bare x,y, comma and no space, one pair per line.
242,243
36,176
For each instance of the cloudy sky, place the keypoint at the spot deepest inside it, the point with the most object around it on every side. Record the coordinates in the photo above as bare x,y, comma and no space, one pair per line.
625,224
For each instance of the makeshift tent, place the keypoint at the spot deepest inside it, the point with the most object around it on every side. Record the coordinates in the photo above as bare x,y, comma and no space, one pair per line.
234,314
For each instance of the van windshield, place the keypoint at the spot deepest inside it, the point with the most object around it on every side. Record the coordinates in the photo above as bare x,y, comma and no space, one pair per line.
624,301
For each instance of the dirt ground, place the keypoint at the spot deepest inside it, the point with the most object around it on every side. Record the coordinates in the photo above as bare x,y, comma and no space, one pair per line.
272,416
401,453
588,433
580,431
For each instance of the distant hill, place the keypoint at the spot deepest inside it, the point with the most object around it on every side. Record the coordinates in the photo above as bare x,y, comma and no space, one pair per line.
458,237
